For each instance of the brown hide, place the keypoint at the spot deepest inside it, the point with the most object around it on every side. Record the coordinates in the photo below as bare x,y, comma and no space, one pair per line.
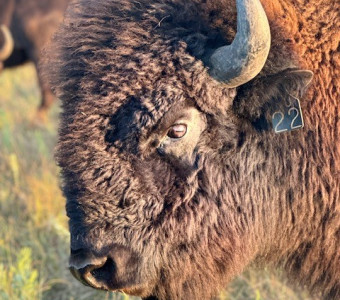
32,24
311,29
181,224
6,11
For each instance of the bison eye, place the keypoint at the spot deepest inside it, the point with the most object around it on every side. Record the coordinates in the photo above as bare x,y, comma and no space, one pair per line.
177,131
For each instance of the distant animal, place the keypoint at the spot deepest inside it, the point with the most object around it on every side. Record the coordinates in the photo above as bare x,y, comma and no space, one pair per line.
195,140
25,27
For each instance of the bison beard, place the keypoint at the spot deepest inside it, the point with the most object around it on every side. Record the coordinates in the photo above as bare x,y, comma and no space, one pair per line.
178,218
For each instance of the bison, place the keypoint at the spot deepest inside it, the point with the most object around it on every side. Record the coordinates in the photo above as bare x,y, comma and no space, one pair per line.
197,137
25,27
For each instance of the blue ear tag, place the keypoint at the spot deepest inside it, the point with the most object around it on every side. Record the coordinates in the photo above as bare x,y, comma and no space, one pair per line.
288,117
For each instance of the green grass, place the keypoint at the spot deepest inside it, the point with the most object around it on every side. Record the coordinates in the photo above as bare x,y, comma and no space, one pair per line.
34,239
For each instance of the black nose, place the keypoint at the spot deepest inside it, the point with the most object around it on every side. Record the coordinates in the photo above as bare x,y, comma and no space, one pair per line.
83,265
116,270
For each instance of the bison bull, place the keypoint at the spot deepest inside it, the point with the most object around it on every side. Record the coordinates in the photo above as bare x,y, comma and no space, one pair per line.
25,27
174,174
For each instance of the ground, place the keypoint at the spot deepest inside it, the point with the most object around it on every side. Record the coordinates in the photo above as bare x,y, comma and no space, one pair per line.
34,239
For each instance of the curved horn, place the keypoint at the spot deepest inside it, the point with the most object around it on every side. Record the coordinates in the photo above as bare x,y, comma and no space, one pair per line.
241,61
8,43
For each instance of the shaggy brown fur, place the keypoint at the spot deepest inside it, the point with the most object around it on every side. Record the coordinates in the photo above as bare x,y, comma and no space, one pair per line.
125,70
32,24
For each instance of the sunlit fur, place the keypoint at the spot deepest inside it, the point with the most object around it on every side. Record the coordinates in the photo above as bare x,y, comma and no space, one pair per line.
252,196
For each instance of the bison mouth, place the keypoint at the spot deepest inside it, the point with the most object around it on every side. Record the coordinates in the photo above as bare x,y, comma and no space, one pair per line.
117,271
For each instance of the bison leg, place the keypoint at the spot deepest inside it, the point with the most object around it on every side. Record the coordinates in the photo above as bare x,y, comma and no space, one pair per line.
47,98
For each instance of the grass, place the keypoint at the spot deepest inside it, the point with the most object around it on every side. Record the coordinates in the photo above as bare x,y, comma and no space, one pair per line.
34,238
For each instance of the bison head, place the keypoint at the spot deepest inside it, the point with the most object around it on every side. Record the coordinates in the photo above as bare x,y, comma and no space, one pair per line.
165,171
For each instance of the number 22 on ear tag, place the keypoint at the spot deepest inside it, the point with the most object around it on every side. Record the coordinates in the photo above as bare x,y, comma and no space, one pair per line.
288,117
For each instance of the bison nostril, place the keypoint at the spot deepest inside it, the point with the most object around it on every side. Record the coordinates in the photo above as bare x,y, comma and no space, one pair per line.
115,270
83,263
97,276
103,274
88,274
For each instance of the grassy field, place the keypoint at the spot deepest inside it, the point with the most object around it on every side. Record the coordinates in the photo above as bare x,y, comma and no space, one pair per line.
33,226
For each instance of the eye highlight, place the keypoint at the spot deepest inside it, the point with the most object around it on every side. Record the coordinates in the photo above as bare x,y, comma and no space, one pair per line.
177,131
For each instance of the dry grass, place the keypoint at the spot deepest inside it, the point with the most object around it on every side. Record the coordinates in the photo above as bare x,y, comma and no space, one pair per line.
33,226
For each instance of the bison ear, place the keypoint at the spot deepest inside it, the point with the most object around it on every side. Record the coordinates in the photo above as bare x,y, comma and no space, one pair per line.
255,99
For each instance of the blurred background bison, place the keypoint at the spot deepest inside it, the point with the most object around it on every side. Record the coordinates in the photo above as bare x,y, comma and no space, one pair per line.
179,163
25,27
